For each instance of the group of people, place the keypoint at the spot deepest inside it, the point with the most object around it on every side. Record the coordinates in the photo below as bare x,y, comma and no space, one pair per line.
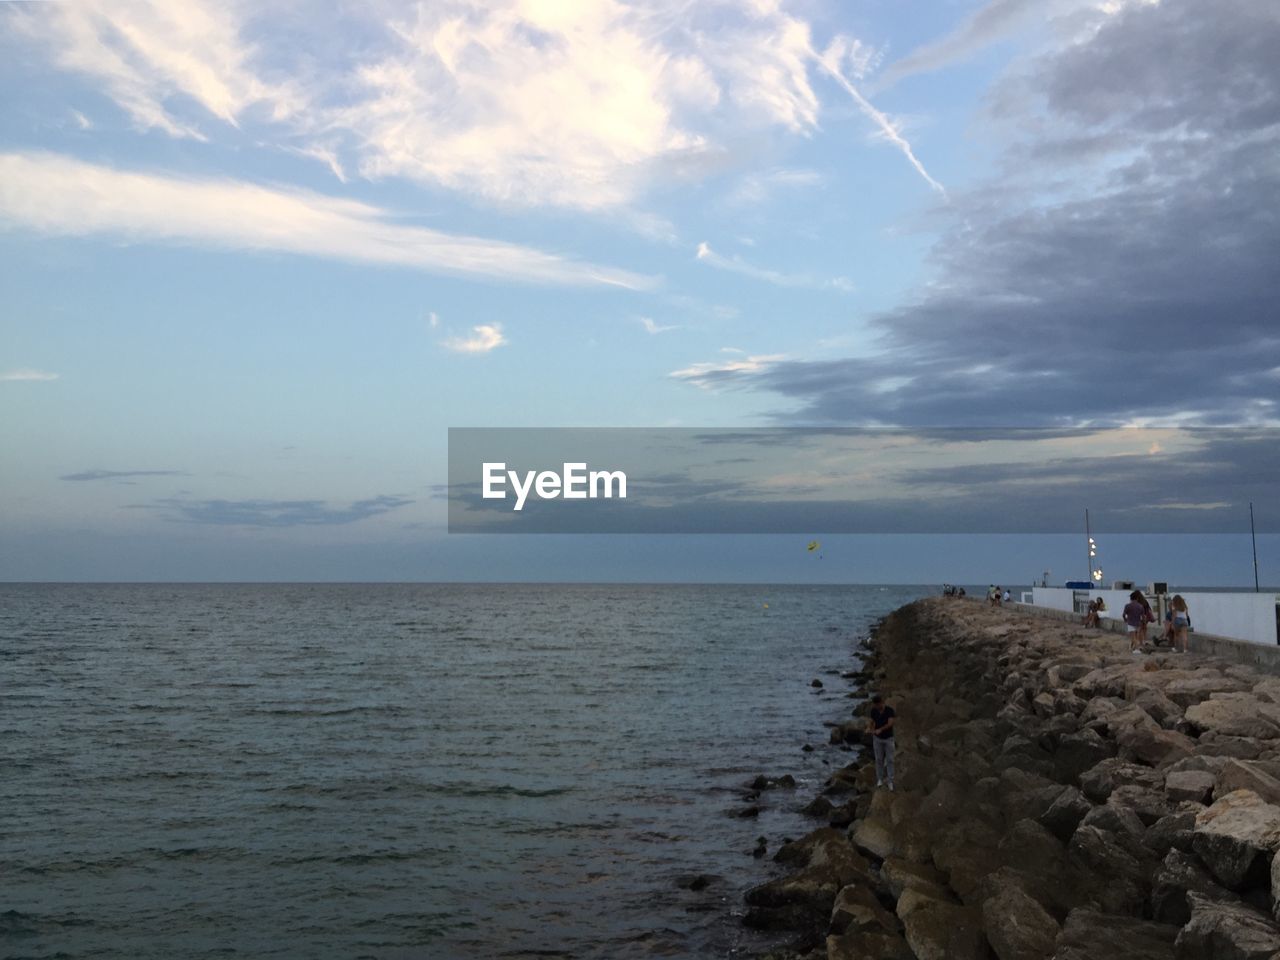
1138,615
998,597
951,590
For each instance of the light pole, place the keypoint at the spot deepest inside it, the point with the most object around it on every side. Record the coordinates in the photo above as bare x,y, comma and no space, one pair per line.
1095,573
1253,536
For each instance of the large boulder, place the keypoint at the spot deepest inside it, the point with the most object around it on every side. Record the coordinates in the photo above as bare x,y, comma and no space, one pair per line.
1155,746
900,875
1178,875
1099,782
1122,879
1244,775
1065,813
1200,685
1078,752
1236,716
1018,928
804,899
938,929
857,909
1236,838
1223,930
1194,785
1091,935
860,945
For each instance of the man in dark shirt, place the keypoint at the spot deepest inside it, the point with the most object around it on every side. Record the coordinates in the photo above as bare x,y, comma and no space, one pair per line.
880,723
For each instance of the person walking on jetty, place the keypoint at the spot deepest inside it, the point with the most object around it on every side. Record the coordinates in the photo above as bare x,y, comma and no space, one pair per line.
880,723
1181,621
1135,620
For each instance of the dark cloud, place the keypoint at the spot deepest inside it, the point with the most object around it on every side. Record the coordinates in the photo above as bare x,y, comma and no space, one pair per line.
273,513
120,474
1126,265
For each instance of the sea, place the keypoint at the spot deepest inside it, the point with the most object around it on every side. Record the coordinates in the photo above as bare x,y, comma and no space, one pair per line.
408,770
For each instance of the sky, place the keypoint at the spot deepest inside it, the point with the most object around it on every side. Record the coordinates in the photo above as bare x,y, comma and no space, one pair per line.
257,259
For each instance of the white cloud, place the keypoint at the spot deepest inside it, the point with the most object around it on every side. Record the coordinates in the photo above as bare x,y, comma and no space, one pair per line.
737,265
433,320
26,374
757,187
654,328
58,195
144,54
714,372
485,337
520,102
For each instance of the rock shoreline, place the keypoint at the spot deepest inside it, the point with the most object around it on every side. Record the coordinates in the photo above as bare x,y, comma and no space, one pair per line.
1057,798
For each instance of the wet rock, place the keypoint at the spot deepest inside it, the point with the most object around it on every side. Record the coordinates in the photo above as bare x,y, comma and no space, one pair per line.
1091,935
1065,813
818,807
1194,785
858,910
1017,927
1236,838
761,848
747,813
866,946
816,683
1221,930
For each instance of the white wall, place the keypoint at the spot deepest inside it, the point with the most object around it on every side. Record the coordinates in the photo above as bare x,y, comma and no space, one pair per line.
1241,616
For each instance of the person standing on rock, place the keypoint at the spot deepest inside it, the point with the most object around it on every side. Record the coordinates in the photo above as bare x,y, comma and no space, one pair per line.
1181,621
1135,620
880,723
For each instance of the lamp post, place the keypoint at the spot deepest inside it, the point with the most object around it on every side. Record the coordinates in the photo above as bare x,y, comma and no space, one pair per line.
1095,572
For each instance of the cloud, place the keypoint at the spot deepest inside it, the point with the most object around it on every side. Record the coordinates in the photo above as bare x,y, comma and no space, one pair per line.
994,21
59,195
756,188
573,105
485,337
120,474
148,55
273,513
1119,269
726,372
737,265
653,328
26,374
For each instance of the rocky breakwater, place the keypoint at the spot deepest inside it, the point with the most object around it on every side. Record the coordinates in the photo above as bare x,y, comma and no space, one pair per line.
1056,797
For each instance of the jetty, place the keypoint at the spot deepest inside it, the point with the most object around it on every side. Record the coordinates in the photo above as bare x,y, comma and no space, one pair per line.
1057,797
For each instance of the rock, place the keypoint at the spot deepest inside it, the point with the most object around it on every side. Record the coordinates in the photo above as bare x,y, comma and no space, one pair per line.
1195,785
1018,927
816,684
1198,686
1158,706
1079,752
1238,775
1105,681
1221,930
874,837
866,946
1236,838
817,807
747,812
1235,717
1148,803
940,930
1100,853
1172,832
1099,782
804,900
1155,746
1091,935
900,875
857,909
1099,707
1242,748
1275,887
1029,842
1179,874
1115,819
1065,813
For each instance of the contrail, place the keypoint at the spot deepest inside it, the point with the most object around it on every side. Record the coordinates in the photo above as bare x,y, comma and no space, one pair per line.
883,122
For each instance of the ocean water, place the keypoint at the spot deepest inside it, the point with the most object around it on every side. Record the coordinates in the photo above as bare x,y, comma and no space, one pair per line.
402,771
